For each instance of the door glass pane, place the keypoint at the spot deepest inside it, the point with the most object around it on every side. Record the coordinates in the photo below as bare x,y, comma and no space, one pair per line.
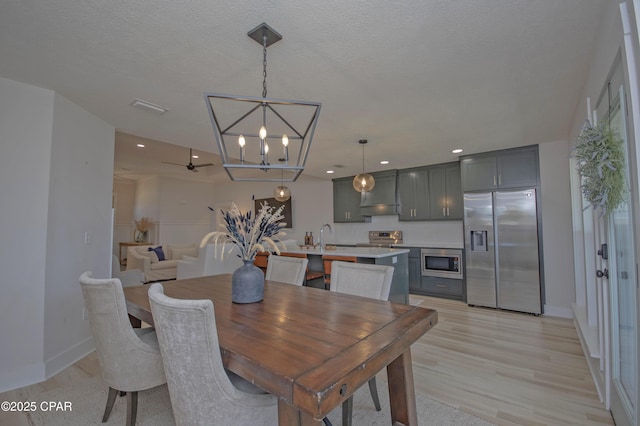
623,279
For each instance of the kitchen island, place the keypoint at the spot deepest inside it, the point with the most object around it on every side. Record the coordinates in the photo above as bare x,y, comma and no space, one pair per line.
398,258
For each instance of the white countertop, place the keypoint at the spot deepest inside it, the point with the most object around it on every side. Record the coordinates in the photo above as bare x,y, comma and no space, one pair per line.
372,252
432,245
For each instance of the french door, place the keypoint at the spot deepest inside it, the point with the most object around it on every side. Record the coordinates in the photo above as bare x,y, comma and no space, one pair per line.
621,262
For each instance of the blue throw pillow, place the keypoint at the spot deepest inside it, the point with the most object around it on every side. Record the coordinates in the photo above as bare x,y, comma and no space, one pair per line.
158,251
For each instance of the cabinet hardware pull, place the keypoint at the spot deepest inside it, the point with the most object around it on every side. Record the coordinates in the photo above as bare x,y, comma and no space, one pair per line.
494,180
443,212
441,286
499,179
447,211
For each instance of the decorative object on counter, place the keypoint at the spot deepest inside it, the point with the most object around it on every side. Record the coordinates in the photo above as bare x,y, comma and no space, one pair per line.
251,235
282,193
600,154
238,117
141,233
363,182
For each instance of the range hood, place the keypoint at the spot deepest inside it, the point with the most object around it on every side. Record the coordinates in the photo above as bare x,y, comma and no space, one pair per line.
382,199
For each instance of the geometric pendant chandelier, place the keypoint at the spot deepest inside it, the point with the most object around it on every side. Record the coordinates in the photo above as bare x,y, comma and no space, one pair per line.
254,133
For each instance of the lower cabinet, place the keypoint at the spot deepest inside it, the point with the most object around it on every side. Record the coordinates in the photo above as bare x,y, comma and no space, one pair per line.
440,287
415,269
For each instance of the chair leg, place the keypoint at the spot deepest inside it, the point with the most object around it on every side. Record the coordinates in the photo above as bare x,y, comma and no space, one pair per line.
132,408
111,399
373,388
347,411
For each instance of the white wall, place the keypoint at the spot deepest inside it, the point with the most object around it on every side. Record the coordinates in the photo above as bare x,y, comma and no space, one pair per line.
26,120
79,227
184,216
557,241
42,227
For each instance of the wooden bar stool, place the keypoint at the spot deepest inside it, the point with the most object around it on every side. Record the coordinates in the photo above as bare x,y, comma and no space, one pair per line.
310,275
262,260
326,263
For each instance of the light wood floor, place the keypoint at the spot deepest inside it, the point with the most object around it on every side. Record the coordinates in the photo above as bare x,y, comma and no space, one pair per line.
507,368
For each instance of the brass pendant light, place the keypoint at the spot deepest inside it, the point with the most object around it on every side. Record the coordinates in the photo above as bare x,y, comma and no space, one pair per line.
363,182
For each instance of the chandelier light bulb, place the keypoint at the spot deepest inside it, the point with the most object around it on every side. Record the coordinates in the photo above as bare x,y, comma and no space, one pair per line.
285,140
266,148
241,141
263,132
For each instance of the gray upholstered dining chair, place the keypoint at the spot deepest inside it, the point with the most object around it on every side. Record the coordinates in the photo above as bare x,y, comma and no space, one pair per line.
367,280
202,392
291,270
127,278
129,357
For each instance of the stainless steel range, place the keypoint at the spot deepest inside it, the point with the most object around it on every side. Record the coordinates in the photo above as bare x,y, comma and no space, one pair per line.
382,239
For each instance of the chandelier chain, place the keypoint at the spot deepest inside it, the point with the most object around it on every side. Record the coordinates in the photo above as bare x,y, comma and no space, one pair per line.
264,67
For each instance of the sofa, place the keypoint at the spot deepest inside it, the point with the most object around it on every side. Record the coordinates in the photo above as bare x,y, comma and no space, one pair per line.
161,262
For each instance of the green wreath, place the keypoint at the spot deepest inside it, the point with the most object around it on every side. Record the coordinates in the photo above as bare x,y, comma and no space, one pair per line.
600,154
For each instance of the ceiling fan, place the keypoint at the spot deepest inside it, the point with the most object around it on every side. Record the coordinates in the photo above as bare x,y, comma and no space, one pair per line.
190,166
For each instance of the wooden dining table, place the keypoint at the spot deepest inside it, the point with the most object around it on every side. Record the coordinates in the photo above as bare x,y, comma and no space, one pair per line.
311,348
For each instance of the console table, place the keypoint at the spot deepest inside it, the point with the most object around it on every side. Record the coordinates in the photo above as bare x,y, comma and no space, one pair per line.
128,244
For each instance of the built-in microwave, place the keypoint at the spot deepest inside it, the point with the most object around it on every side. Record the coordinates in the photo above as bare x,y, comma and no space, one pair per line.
442,263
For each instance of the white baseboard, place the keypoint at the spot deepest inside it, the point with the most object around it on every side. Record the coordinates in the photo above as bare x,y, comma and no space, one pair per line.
69,357
558,311
589,342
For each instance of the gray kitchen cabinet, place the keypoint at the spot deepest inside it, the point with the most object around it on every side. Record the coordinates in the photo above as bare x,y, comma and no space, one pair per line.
511,168
382,199
415,269
346,202
445,192
442,287
413,194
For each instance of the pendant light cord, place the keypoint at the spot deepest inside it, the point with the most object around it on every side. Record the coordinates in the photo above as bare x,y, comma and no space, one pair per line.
264,66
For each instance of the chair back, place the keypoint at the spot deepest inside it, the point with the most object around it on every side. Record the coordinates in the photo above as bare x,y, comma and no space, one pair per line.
201,392
127,278
361,279
129,361
290,270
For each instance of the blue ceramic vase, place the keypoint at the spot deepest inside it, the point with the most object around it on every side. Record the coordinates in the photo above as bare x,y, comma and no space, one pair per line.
247,283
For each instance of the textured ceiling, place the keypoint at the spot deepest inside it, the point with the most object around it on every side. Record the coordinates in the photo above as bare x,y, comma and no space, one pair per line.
416,78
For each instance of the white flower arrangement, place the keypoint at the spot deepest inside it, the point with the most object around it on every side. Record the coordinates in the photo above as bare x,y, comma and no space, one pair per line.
250,234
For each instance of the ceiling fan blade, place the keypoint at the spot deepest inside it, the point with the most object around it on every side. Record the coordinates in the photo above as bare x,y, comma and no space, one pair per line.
195,170
175,164
203,165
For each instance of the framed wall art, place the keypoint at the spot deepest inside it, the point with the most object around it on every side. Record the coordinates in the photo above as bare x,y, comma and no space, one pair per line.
272,202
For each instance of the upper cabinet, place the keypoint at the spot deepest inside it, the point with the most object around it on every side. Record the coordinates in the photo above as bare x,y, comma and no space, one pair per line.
430,193
346,202
445,192
512,168
413,194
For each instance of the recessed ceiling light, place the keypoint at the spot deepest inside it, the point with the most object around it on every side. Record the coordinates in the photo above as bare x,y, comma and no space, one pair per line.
330,171
140,145
139,103
457,151
384,162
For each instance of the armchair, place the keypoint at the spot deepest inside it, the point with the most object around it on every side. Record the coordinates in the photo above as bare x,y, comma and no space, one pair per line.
209,262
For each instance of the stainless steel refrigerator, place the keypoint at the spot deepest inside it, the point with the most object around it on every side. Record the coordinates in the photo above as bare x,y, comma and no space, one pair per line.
501,250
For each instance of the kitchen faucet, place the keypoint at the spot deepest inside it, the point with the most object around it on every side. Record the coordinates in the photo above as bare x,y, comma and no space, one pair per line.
321,234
